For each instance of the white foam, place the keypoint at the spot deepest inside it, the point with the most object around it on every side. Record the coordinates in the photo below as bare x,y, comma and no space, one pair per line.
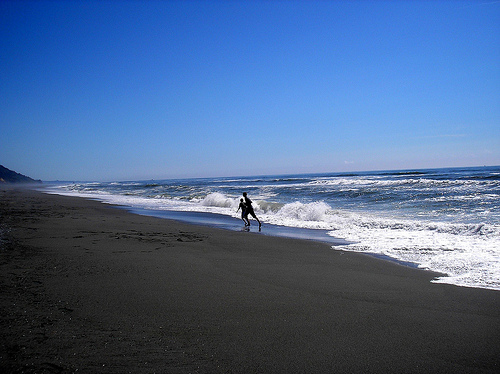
468,254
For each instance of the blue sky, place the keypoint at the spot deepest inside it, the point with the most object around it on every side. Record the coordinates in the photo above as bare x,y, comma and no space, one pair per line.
122,90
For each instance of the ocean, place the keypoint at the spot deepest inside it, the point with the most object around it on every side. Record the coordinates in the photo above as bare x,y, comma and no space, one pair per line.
445,220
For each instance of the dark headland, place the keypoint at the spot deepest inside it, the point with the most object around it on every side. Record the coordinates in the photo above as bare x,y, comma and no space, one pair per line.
8,176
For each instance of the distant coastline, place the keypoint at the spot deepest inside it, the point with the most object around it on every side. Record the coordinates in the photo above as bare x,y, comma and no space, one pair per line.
8,176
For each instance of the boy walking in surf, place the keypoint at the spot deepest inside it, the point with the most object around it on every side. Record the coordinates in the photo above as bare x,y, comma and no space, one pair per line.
243,210
249,210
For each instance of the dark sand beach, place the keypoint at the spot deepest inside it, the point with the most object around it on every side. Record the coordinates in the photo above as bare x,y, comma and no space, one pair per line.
89,288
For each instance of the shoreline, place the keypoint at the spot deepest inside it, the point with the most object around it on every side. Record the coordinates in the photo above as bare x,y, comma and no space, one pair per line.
221,221
226,222
234,224
230,223
89,287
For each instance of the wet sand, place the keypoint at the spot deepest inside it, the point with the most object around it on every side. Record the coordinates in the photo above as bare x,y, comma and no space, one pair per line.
88,288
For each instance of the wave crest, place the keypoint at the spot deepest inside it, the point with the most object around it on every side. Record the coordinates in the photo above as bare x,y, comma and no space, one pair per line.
314,211
216,199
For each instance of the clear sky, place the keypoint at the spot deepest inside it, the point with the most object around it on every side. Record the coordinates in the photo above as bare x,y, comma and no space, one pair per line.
122,90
